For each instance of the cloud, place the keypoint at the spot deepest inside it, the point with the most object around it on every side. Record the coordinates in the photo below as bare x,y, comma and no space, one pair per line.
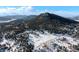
29,10
24,10
15,11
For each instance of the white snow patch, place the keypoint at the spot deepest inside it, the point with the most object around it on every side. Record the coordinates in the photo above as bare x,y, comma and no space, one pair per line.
7,21
41,39
77,20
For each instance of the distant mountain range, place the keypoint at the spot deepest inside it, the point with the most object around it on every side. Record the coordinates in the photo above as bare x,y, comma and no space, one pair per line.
5,18
76,18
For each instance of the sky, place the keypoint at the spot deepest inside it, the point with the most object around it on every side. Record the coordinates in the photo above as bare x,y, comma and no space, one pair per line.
57,8
35,10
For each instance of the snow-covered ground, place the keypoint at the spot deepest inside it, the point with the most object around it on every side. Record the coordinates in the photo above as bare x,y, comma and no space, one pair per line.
45,41
77,20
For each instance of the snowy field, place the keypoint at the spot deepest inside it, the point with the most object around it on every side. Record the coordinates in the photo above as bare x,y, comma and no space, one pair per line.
45,42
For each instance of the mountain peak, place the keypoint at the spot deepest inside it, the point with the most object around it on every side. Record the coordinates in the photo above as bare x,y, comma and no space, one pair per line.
53,17
46,14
